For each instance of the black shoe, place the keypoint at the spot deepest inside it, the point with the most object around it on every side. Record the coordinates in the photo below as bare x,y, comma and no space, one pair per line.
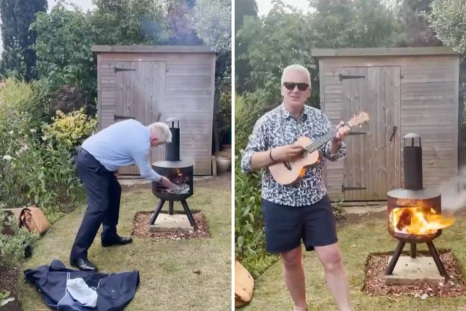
117,241
83,264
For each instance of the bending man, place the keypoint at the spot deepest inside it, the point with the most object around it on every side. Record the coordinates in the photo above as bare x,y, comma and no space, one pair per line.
124,143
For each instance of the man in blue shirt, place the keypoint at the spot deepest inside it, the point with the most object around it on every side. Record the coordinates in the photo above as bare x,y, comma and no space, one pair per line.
101,155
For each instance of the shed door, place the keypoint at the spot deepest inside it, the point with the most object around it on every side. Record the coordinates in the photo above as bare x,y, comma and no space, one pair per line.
372,164
141,94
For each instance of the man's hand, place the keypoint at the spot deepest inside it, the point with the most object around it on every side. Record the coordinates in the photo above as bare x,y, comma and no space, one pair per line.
342,131
287,153
115,173
168,184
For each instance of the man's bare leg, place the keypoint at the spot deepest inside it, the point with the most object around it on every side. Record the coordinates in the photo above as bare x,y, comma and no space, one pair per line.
335,275
293,274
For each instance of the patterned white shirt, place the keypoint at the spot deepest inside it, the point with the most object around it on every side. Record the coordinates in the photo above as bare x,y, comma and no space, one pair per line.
278,128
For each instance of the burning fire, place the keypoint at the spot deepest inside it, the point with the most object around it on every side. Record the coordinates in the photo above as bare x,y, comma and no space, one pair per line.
177,177
419,220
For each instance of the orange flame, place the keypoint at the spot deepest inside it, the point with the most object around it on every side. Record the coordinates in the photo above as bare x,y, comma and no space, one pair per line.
419,220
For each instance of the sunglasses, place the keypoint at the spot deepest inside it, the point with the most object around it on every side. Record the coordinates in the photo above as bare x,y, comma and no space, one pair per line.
290,86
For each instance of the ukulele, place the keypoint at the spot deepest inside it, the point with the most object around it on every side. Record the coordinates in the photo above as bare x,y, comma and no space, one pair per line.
291,172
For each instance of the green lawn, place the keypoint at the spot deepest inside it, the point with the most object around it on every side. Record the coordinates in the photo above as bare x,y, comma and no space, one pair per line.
166,267
357,241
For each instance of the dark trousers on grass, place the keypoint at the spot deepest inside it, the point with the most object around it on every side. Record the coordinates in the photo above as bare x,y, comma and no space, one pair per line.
103,198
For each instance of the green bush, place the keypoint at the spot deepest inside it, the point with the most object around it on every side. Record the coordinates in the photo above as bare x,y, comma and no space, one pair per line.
12,247
249,224
71,128
33,169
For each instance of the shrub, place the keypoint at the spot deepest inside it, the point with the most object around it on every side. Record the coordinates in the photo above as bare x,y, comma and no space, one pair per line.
68,98
12,247
70,129
249,224
224,112
33,169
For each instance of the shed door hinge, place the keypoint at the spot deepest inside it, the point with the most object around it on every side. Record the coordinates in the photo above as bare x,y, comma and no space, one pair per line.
344,77
117,118
343,188
124,69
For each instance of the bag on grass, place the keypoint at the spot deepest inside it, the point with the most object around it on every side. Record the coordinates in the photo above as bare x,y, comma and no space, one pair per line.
244,285
34,220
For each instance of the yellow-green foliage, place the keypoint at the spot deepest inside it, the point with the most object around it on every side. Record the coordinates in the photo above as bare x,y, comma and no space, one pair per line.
72,128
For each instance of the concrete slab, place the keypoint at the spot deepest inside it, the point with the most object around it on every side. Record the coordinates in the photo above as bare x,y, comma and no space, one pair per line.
409,271
166,222
360,210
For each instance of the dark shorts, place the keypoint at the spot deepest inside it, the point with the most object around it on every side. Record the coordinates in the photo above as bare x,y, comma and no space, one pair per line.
286,226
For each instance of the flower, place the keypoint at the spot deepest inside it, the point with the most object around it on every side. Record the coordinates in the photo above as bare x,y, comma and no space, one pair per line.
7,157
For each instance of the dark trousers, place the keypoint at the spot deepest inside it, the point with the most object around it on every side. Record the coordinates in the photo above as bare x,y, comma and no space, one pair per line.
103,198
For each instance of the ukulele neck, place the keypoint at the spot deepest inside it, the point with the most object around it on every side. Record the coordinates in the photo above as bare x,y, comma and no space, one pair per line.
319,142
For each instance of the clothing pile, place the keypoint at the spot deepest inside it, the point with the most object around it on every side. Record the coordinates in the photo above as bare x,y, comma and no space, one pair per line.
66,289
181,189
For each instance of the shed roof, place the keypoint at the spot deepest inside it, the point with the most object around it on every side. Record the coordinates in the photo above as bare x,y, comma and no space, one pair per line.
190,49
358,52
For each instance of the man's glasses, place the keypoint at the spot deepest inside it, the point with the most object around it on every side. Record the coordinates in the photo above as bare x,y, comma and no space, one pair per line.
290,86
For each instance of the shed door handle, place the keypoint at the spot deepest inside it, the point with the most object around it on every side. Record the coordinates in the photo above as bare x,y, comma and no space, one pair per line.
393,134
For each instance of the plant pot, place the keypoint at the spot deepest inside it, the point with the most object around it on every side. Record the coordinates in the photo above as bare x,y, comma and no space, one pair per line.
223,164
226,149
224,154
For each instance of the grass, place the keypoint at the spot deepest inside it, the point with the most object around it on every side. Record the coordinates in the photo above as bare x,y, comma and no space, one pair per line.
166,267
356,242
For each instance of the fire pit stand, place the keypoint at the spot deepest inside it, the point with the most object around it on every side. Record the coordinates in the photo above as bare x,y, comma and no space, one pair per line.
404,198
409,202
178,172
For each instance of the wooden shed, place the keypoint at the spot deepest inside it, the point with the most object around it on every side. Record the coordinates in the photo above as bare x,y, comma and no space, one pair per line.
154,83
404,90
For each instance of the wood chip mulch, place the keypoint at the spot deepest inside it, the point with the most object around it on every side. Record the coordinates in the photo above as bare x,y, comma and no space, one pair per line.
375,280
8,283
141,228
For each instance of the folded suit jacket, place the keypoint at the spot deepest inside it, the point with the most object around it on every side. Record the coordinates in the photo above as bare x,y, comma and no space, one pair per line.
115,290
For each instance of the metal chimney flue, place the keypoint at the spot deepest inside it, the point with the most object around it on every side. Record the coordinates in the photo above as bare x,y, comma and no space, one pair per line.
172,149
412,160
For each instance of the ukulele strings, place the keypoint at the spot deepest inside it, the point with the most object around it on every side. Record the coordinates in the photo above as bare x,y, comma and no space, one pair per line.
318,142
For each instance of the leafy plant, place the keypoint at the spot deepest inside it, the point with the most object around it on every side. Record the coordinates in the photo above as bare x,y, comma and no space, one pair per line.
249,223
63,48
33,169
224,112
212,21
12,246
71,128
5,298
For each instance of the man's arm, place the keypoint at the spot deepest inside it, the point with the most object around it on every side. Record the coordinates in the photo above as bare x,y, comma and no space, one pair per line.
141,157
256,156
332,150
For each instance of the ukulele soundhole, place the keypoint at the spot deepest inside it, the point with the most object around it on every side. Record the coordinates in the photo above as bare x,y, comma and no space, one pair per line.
287,165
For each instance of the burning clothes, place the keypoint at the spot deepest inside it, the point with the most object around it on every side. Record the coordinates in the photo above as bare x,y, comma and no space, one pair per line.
419,220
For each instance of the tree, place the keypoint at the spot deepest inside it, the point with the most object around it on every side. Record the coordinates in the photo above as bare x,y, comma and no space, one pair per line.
64,59
127,22
353,23
415,24
18,56
287,36
448,19
243,8
180,24
284,40
212,21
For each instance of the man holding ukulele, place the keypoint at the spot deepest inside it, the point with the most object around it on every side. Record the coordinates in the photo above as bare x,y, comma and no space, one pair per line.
302,211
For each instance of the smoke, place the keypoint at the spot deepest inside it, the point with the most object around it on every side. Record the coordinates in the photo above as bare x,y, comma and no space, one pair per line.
453,193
